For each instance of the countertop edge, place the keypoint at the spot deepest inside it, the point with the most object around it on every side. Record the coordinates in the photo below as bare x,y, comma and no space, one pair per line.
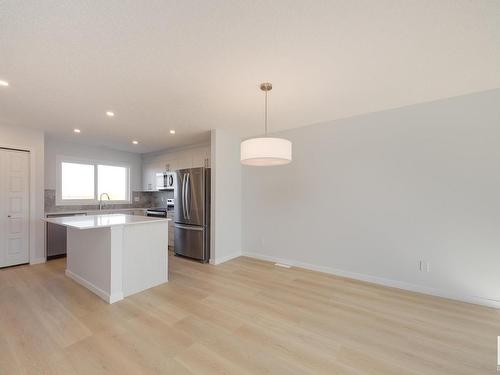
111,210
158,220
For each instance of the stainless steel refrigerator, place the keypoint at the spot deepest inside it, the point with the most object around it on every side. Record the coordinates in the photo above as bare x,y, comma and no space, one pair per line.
192,214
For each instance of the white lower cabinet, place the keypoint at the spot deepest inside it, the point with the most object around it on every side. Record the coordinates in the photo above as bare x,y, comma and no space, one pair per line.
171,215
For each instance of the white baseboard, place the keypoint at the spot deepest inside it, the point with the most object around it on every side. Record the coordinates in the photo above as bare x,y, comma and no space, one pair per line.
37,261
218,261
94,289
380,280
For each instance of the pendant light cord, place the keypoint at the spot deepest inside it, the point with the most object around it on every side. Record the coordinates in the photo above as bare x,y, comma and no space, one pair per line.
265,121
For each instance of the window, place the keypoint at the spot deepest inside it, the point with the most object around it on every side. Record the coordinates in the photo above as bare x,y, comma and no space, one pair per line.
77,181
113,181
83,182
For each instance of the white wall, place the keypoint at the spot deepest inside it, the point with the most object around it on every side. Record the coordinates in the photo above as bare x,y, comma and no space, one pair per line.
226,197
370,196
32,140
55,147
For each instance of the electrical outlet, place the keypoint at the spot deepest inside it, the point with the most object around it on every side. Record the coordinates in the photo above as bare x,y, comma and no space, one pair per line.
136,199
424,266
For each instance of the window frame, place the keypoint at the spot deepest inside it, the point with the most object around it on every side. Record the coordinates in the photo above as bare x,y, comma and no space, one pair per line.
94,163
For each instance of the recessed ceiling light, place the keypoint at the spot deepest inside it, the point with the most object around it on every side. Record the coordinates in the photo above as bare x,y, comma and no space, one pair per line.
135,142
76,130
172,131
110,114
4,83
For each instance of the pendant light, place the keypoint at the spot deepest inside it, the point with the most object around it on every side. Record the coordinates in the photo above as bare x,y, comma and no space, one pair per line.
266,151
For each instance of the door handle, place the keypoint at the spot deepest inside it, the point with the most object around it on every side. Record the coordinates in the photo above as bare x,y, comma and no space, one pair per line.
9,216
187,227
188,196
184,196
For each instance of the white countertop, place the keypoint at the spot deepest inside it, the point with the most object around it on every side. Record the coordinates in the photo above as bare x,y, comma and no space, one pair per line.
103,211
101,221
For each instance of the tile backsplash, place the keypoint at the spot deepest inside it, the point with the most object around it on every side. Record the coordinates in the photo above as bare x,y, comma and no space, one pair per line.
146,199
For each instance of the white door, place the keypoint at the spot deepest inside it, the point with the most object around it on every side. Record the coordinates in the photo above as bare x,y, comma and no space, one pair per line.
14,207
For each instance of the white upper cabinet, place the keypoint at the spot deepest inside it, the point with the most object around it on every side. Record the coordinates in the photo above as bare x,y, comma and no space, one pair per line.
171,164
200,158
172,161
148,176
184,161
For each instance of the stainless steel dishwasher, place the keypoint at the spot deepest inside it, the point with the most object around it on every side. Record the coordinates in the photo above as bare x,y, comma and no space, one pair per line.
56,237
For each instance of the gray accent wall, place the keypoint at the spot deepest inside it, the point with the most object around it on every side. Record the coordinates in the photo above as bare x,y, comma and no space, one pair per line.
372,196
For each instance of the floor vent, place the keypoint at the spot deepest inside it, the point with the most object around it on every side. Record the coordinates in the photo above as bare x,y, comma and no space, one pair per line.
282,265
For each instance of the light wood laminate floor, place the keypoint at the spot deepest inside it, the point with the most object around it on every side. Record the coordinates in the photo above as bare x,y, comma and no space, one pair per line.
242,317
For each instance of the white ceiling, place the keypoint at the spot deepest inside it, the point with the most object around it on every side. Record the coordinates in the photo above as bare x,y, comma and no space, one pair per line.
196,65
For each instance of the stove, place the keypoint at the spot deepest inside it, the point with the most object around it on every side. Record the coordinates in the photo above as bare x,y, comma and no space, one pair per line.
161,211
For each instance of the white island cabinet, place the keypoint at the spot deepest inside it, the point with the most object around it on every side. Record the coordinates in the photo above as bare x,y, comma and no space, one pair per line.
116,255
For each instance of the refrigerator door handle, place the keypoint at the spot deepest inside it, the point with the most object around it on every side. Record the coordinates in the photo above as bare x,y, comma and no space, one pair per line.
188,196
188,227
184,196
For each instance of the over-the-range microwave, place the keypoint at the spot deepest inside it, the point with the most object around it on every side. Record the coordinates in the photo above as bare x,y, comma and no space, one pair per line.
165,181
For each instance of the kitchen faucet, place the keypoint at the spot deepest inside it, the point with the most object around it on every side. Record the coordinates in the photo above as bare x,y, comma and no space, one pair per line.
100,200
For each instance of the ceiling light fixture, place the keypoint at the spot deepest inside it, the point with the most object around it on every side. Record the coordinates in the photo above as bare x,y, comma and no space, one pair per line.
172,131
76,130
135,142
266,151
110,114
4,83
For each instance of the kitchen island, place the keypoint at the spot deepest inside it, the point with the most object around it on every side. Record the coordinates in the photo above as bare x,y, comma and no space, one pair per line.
116,255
